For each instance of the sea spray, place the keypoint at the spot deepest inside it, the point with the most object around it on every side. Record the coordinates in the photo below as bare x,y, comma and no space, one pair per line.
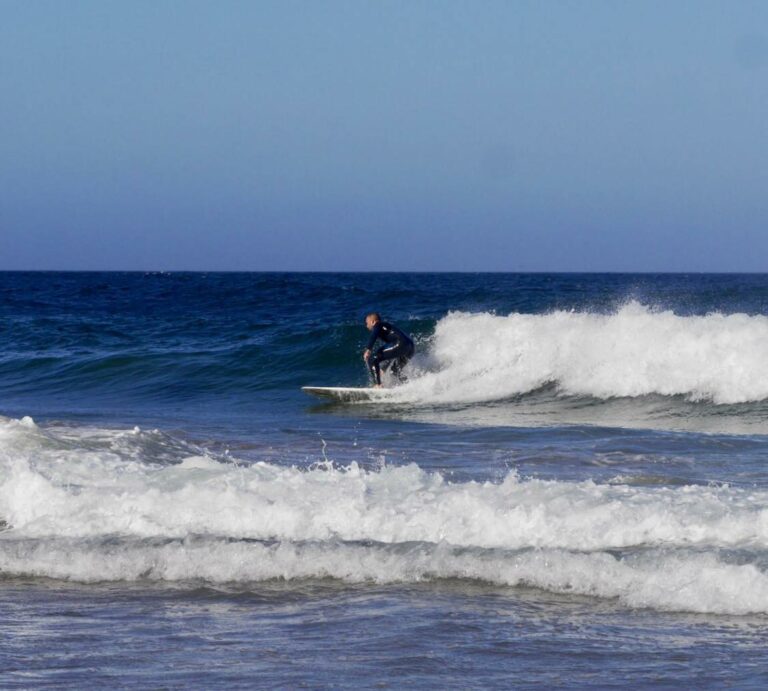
635,351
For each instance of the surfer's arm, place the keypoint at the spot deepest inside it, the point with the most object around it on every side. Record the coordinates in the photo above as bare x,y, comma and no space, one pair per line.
375,333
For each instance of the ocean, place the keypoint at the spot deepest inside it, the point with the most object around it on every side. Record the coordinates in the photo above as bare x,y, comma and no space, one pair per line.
570,490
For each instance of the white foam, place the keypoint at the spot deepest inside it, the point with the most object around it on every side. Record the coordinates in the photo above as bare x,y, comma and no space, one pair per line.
96,494
101,508
655,579
54,487
633,352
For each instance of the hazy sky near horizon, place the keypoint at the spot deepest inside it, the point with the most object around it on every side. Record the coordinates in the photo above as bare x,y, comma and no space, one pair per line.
443,135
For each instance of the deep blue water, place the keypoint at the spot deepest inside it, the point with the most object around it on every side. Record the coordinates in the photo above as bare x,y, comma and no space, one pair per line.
571,488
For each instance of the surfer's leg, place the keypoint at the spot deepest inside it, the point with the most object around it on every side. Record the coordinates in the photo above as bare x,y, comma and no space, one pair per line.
402,353
382,359
394,358
397,368
404,359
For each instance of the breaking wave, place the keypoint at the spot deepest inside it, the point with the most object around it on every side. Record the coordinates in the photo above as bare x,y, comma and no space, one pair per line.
94,505
633,352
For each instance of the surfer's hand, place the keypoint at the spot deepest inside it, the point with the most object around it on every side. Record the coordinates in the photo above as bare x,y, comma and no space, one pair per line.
366,354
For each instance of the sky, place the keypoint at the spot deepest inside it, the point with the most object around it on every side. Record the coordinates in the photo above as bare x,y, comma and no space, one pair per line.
398,136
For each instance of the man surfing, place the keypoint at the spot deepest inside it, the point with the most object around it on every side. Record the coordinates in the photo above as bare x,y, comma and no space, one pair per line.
395,353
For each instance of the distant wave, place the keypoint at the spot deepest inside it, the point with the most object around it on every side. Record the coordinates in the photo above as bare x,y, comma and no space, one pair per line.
91,505
635,351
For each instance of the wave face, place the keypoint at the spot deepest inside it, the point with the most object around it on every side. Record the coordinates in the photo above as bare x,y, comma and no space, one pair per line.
567,349
633,352
85,343
95,504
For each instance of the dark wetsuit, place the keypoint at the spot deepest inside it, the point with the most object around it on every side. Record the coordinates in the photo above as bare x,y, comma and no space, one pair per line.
398,348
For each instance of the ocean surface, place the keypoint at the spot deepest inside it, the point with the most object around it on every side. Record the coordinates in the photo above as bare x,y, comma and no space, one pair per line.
570,490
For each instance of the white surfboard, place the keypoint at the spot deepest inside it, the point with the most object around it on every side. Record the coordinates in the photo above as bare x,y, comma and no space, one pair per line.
345,393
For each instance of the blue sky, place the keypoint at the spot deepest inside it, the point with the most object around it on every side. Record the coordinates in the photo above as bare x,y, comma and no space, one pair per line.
502,136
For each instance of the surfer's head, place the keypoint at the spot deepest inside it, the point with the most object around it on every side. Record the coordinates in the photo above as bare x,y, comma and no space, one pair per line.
372,319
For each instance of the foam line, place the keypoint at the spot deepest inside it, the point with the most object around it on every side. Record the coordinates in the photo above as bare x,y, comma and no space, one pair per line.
91,505
655,579
48,488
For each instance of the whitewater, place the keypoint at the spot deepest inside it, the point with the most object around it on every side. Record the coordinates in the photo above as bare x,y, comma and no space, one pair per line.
570,488
632,352
91,514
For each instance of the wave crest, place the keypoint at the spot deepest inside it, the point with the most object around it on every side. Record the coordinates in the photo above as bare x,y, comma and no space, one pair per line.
636,351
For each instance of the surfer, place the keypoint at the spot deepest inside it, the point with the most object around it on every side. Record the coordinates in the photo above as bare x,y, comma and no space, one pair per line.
397,349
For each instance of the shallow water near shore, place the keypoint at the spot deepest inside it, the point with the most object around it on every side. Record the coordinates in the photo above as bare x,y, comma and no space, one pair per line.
570,489
318,633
